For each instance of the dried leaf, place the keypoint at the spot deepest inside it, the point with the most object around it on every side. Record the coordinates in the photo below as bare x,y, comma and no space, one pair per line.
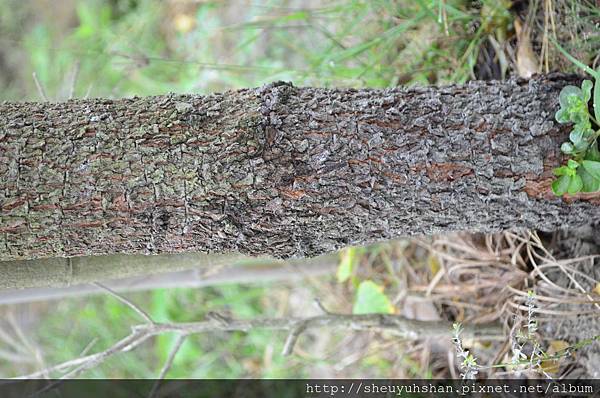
433,263
527,64
552,366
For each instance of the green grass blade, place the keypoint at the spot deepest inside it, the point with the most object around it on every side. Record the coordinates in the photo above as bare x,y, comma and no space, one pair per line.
574,60
596,96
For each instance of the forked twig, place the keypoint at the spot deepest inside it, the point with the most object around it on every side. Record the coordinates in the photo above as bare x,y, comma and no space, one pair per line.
394,324
126,301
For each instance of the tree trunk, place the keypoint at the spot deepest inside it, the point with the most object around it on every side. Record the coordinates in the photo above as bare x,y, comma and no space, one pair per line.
280,170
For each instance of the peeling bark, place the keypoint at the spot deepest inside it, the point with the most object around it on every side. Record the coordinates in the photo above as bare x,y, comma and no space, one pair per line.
280,170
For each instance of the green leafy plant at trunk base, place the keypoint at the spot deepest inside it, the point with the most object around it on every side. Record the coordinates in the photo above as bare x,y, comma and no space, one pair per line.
582,171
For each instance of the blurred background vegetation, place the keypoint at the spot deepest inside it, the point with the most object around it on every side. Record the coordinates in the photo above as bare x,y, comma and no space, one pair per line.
119,48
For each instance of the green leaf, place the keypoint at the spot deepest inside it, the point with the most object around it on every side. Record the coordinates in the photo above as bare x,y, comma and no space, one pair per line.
585,129
567,148
561,171
596,105
576,136
573,103
560,186
567,96
593,153
592,167
590,184
586,88
581,146
562,116
371,299
572,164
575,185
579,114
347,264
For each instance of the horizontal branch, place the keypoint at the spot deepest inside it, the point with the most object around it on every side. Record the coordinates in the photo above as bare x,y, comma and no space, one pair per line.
280,170
397,325
205,273
64,272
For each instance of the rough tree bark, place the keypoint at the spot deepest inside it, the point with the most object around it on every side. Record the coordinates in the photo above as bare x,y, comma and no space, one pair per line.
280,170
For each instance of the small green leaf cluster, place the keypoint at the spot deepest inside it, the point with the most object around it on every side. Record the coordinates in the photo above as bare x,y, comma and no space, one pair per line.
526,348
582,171
469,364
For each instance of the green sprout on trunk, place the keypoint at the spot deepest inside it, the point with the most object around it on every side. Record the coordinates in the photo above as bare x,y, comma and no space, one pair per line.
582,171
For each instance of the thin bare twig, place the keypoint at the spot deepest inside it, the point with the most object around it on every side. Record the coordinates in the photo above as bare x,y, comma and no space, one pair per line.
39,87
168,363
88,347
292,339
321,307
127,302
30,347
397,325
74,76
